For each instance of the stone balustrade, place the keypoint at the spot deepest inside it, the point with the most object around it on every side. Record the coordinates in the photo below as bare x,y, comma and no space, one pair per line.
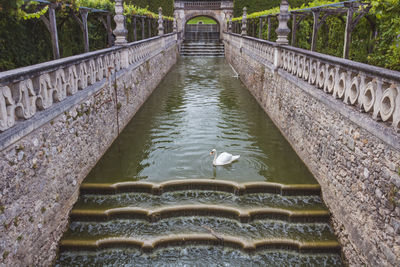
57,120
370,89
27,91
342,118
202,5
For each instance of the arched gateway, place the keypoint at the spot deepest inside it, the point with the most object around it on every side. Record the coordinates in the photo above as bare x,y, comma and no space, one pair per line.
220,11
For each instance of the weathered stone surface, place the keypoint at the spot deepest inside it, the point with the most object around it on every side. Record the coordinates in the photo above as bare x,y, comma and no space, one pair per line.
220,12
42,171
358,171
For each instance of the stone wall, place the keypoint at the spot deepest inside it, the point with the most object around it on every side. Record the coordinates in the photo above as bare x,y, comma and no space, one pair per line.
354,155
220,14
77,107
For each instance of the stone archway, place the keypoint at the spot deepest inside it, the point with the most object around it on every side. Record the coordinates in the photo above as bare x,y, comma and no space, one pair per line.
202,32
220,11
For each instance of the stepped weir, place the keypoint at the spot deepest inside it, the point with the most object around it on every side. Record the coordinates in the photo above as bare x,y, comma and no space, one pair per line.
105,156
161,195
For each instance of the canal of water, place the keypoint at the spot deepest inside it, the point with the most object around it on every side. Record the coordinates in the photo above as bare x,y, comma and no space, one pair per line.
132,211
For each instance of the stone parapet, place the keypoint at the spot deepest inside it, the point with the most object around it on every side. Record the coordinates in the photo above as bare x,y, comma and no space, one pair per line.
372,90
57,120
342,118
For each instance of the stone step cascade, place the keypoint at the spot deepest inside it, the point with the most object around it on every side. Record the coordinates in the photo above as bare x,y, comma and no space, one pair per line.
131,222
202,49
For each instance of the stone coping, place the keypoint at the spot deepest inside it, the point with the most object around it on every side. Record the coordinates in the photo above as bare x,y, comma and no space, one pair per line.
379,130
38,116
242,215
345,63
27,72
367,95
208,239
202,184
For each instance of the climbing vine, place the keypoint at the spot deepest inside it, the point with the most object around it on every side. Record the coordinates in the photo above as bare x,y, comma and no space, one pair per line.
25,40
23,8
376,37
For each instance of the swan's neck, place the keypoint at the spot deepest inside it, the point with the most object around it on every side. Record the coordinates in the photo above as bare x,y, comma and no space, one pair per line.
215,157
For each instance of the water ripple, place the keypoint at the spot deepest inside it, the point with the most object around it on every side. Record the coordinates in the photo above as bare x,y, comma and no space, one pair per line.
191,113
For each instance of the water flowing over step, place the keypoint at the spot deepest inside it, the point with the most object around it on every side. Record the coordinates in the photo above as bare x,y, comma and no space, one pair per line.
155,198
206,49
147,217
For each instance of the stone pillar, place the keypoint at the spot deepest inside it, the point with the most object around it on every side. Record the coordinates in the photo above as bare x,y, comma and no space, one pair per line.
283,30
277,57
244,22
160,22
175,25
230,25
120,31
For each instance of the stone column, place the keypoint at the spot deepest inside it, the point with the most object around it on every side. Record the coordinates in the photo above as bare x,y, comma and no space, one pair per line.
244,22
120,31
230,25
160,22
283,30
175,25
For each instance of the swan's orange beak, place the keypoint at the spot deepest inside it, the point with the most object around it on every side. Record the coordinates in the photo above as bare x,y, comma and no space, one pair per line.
211,153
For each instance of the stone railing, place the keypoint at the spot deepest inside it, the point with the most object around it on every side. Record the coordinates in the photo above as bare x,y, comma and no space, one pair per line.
26,92
202,28
202,5
370,89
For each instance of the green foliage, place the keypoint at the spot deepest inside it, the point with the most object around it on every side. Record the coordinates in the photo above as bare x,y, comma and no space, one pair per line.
275,9
253,6
5,254
23,8
375,40
24,39
204,20
387,44
37,15
98,4
257,5
135,10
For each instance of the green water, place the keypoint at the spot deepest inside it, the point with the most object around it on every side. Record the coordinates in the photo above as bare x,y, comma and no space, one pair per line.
197,107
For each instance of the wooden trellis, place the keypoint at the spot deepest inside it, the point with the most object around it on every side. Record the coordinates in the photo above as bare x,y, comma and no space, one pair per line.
51,24
354,11
255,23
104,16
320,14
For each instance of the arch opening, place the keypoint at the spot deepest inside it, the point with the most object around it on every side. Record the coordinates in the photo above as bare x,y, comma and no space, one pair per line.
202,29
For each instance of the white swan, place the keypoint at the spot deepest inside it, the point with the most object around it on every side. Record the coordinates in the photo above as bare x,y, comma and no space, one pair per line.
223,159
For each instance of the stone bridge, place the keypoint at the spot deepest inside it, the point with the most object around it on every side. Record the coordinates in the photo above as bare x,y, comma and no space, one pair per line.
220,11
58,118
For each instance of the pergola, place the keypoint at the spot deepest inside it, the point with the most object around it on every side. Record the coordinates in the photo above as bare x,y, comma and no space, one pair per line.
104,16
51,24
354,11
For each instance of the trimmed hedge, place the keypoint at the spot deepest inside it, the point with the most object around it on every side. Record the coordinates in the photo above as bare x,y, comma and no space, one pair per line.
258,5
27,42
153,5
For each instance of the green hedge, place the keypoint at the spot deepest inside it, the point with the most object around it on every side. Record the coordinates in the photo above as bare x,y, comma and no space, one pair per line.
375,40
27,42
204,20
153,5
258,5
